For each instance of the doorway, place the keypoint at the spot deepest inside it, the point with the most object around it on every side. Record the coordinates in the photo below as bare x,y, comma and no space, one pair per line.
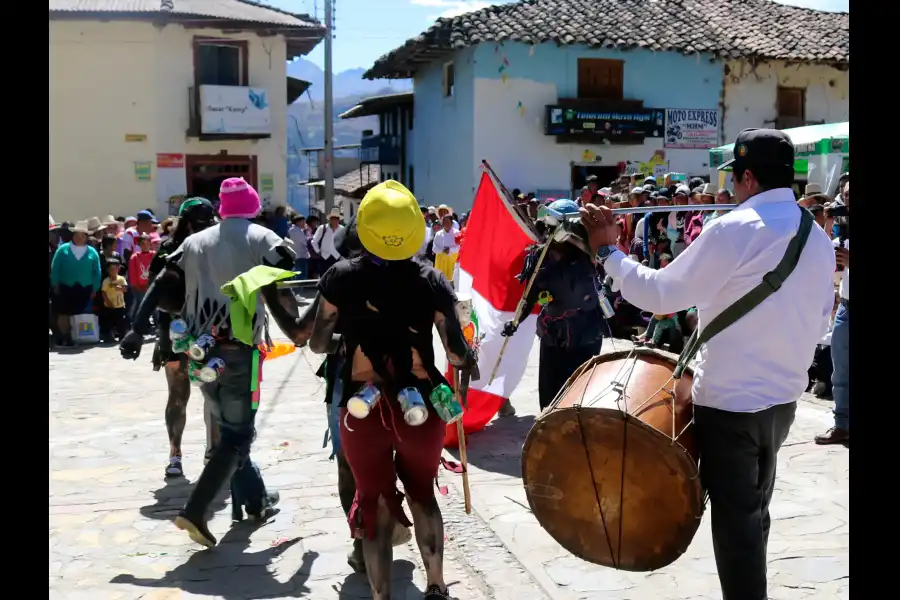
605,176
205,173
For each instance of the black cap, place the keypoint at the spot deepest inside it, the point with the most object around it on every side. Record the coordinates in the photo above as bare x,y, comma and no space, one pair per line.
112,260
590,178
761,148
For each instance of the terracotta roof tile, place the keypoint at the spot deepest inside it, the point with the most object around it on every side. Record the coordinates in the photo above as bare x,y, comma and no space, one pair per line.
727,28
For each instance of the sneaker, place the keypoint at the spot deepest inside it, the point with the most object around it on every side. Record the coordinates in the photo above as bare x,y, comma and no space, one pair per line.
507,410
198,532
268,511
173,469
434,593
835,435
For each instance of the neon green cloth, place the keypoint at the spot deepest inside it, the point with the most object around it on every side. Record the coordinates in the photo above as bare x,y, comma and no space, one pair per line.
244,293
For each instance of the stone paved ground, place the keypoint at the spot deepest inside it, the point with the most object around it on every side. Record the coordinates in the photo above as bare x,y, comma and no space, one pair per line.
110,509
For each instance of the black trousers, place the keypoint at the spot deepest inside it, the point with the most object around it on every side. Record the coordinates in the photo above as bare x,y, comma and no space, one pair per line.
738,454
557,365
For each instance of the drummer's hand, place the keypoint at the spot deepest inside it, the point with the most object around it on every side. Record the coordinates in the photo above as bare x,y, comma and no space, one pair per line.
601,226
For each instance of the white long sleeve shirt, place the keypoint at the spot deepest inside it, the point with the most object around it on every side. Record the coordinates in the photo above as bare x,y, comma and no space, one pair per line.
762,359
323,241
444,240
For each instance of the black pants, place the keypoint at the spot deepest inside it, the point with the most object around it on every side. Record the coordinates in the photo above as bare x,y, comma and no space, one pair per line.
737,467
112,322
557,365
822,367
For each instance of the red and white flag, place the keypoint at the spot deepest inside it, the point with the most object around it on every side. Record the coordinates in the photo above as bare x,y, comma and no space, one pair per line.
490,259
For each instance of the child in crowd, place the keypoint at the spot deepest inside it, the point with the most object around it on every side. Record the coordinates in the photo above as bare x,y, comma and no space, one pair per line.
139,272
113,290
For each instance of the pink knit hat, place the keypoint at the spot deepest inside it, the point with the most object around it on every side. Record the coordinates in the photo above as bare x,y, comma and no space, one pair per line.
238,199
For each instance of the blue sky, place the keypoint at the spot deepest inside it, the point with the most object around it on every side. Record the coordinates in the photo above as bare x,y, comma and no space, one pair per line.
366,29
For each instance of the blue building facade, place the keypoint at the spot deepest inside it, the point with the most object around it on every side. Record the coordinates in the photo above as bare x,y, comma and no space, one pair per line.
490,101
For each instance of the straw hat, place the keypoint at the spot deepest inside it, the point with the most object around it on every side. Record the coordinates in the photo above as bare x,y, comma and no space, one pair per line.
444,207
708,190
335,213
93,224
81,227
813,191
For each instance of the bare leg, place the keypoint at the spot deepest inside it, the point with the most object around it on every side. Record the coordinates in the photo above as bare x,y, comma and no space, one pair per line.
429,527
176,407
379,554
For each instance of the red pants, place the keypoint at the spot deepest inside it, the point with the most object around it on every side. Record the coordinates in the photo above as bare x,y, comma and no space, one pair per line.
382,447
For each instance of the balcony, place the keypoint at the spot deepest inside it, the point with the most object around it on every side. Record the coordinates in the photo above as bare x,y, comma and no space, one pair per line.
594,121
382,149
224,112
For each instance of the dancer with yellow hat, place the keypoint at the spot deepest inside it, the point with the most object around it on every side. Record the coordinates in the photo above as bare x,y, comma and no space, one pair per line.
385,305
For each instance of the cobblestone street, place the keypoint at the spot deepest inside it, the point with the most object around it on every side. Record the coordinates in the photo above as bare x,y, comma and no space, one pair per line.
111,535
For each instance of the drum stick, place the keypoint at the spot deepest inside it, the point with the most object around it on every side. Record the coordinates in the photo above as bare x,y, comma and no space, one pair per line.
520,308
292,283
461,434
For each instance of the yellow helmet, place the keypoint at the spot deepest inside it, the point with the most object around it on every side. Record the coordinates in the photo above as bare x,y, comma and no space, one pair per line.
389,222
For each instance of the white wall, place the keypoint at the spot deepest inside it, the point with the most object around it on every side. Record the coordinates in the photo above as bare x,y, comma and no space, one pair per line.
116,78
751,93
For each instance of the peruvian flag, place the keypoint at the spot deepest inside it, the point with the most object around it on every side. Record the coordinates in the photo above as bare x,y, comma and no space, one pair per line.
490,259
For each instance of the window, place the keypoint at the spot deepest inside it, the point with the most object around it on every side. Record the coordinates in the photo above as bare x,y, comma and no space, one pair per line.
395,125
220,62
412,180
409,115
600,78
449,77
792,103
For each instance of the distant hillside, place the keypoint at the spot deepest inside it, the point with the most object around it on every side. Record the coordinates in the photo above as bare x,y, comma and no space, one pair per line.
346,83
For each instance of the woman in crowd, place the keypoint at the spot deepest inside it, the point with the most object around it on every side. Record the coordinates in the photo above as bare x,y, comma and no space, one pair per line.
445,248
75,278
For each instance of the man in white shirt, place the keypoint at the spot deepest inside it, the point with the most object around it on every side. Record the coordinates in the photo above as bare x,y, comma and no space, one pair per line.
840,345
323,239
748,377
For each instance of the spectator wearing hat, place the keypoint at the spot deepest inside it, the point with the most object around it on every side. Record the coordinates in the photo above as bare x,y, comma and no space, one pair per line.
323,239
75,278
445,248
694,223
299,235
812,195
112,313
444,210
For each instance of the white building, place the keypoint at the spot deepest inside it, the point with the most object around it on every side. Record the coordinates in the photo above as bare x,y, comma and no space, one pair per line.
152,100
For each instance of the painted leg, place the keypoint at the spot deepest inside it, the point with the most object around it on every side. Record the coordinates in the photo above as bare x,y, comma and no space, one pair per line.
429,526
176,414
379,554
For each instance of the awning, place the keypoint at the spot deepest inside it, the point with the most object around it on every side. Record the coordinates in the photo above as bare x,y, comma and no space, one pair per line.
295,88
829,138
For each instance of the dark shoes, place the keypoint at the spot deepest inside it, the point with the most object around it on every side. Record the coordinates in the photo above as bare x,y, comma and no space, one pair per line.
196,530
267,512
834,435
822,390
174,468
434,593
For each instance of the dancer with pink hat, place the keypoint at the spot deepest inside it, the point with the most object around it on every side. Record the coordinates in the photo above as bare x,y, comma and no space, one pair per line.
232,328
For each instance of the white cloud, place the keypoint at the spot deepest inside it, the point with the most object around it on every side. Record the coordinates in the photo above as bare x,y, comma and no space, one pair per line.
453,8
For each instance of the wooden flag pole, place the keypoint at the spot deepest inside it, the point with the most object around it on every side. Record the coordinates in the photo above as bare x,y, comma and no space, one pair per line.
461,434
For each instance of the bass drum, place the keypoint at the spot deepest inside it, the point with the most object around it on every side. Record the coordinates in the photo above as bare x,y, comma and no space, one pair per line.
610,469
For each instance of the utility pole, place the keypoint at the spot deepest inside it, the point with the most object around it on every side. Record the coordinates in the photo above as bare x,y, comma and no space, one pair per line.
329,109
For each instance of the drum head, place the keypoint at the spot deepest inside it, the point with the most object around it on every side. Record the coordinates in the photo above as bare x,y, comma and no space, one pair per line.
639,514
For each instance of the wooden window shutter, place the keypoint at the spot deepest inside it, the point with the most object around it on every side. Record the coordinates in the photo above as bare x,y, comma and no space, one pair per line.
600,78
791,103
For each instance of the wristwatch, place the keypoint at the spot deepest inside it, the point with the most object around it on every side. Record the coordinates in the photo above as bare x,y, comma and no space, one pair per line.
604,252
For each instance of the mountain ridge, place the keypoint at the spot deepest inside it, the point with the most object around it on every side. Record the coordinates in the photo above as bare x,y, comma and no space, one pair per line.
344,84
